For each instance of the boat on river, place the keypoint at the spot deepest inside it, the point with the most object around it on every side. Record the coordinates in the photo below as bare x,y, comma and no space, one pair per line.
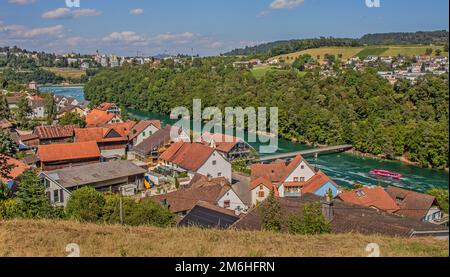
386,173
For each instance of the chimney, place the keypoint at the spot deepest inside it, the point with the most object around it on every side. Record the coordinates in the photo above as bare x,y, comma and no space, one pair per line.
328,208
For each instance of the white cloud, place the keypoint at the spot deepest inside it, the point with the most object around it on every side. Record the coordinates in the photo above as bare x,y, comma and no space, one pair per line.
138,11
127,37
180,38
19,31
66,13
22,2
285,4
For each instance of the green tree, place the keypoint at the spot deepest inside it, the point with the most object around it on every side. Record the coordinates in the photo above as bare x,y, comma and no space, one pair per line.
8,209
136,213
310,222
23,111
49,108
72,119
31,198
441,196
7,145
5,192
271,214
4,108
438,52
428,51
86,205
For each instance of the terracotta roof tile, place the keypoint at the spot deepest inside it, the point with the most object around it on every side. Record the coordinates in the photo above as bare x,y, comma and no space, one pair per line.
316,182
124,128
142,125
412,204
98,118
54,132
69,151
18,167
98,134
261,181
369,197
189,156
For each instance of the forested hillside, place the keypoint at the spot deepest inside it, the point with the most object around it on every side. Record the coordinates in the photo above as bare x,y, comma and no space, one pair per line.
285,47
357,108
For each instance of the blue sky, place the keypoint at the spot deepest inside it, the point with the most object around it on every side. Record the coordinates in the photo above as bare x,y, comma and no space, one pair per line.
208,27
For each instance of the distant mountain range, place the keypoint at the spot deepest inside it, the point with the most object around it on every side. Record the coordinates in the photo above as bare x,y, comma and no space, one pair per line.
289,46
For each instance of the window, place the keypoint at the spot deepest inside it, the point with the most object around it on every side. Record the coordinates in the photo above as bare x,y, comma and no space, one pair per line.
214,162
61,196
302,179
261,187
219,174
143,133
226,204
261,194
55,196
302,167
295,179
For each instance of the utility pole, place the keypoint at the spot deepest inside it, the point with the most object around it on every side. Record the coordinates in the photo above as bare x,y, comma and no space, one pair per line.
121,205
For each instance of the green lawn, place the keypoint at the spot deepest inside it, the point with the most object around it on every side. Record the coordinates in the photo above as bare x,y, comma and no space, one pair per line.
371,51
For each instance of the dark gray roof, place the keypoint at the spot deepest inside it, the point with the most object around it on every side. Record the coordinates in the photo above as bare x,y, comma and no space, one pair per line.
94,173
154,141
207,215
347,218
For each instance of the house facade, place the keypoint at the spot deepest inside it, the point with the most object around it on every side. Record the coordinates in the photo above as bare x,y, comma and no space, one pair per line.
196,158
104,177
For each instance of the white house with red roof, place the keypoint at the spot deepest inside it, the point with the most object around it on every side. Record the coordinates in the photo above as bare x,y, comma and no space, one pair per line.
289,180
229,146
196,158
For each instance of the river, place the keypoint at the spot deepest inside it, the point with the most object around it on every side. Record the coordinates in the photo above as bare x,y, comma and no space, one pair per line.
343,168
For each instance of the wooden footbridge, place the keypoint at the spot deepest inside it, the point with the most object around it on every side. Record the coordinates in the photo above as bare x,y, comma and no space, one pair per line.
315,152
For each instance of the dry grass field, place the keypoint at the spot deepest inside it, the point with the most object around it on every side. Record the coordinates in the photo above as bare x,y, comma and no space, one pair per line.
67,72
49,239
349,52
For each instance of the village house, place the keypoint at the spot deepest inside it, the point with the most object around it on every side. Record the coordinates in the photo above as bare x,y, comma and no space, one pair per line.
289,180
71,109
97,118
344,218
195,158
54,134
104,177
57,156
229,146
33,85
110,141
62,101
372,197
182,201
37,106
13,101
151,148
143,130
109,107
5,125
415,205
207,215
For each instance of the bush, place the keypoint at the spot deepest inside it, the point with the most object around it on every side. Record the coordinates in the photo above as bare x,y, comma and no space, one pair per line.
310,222
441,197
271,215
136,213
86,204
8,209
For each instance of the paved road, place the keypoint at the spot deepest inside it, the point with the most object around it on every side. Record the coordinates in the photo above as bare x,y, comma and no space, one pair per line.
241,185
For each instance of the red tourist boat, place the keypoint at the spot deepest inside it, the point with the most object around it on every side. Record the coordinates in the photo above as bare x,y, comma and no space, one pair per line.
385,173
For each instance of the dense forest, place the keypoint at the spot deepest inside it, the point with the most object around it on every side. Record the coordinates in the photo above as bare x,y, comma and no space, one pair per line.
41,76
285,47
359,108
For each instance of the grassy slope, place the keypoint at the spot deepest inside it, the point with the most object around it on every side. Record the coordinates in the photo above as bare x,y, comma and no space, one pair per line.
348,52
49,238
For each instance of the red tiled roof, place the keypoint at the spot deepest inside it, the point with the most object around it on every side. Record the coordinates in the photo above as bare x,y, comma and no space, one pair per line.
69,151
123,128
142,125
370,197
189,156
52,132
98,117
18,167
105,106
316,182
411,204
223,142
261,181
272,172
4,124
98,134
